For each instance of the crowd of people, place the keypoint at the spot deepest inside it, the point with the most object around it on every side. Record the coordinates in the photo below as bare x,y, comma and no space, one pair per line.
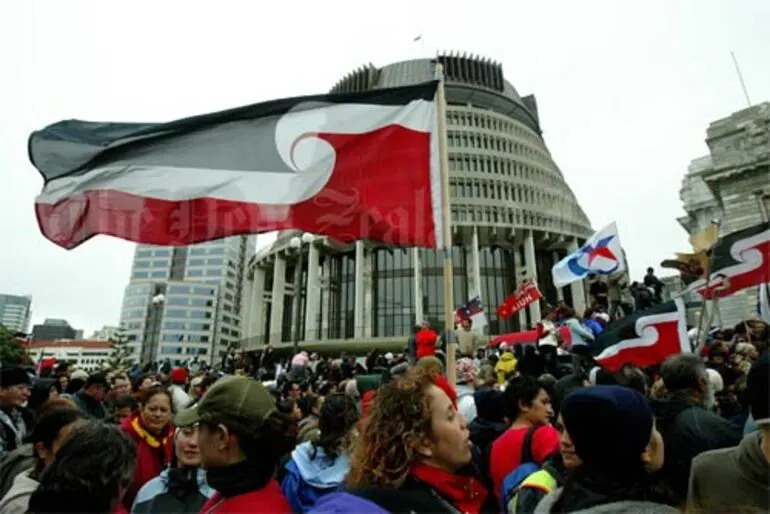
529,428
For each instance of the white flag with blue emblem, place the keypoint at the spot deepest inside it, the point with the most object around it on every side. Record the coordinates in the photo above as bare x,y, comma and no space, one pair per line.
602,254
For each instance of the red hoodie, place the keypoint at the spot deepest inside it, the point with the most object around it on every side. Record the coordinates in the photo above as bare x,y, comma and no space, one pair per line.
268,500
426,343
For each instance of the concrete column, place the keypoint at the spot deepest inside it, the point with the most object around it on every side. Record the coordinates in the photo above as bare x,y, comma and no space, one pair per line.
276,302
417,267
474,283
326,272
368,296
559,290
520,276
255,311
358,313
578,291
531,264
313,287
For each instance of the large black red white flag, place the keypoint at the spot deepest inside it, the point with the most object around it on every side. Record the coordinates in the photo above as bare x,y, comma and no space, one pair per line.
644,338
738,261
357,166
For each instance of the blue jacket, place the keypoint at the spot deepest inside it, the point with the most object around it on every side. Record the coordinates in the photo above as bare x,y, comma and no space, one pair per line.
307,479
156,496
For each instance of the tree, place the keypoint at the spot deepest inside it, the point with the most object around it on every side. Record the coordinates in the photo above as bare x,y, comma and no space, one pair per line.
11,353
120,352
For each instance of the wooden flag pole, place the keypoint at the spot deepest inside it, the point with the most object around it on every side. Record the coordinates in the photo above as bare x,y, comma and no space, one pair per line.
449,311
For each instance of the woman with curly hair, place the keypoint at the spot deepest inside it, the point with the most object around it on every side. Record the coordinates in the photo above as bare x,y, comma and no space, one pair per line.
410,453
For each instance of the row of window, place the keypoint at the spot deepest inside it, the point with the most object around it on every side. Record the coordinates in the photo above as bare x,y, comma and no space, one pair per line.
181,289
501,166
163,263
494,144
464,117
230,332
188,313
138,290
191,338
230,321
139,275
511,192
187,300
216,261
516,218
181,325
186,350
214,250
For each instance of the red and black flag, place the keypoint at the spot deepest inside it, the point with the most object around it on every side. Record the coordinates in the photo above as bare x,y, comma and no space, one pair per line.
351,167
644,338
738,261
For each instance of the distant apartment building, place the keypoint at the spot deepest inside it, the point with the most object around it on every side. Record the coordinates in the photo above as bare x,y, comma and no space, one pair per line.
728,185
15,312
53,329
183,302
106,333
85,355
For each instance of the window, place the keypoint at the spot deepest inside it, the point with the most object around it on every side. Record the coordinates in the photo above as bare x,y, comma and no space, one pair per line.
158,274
140,289
197,251
164,252
176,313
201,302
194,272
196,262
208,291
178,289
218,261
140,274
178,300
141,254
142,264
160,264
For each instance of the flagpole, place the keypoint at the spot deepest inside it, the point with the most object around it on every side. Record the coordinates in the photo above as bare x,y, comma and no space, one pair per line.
446,227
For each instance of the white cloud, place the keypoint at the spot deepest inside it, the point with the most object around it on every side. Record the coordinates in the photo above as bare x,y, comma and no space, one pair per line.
625,94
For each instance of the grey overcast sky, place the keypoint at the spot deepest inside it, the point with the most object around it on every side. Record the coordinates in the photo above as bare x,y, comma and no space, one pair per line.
625,89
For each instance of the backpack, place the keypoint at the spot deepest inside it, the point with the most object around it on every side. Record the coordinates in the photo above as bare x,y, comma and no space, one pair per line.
512,482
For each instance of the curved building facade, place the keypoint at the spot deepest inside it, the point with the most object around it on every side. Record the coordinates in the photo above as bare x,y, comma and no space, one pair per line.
513,216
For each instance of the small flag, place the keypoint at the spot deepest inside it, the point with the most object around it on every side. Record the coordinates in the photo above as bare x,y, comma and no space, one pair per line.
527,294
474,311
644,338
602,254
351,167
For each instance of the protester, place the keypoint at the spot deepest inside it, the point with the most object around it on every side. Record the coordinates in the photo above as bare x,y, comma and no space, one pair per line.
466,379
738,479
51,430
241,438
151,430
90,473
527,406
426,340
15,388
319,468
613,432
181,399
182,487
410,452
90,399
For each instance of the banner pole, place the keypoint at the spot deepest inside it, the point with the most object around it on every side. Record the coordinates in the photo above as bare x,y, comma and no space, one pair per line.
449,310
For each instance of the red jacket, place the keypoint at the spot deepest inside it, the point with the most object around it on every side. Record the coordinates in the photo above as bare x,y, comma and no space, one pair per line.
152,454
426,343
268,500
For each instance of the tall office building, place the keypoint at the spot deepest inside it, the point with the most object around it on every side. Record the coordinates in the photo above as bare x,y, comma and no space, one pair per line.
15,312
728,185
183,302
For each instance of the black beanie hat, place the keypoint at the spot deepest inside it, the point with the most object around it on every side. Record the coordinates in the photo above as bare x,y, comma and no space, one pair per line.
758,390
10,377
610,426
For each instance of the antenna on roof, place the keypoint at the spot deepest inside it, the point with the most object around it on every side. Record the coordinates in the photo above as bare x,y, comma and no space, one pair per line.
740,78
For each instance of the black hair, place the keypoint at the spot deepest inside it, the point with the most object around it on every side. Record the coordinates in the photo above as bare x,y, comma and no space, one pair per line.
522,389
96,379
40,392
125,401
93,465
48,426
338,415
141,379
628,376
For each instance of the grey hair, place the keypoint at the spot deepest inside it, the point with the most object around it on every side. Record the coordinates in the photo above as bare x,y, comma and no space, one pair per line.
92,466
682,372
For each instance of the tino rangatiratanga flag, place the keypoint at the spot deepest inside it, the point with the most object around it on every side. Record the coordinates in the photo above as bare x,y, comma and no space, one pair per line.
355,166
644,338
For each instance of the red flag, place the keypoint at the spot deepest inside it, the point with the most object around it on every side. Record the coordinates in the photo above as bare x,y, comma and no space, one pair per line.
525,295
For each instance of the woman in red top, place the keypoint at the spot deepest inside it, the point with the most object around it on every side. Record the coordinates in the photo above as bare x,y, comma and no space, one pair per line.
411,451
527,405
150,428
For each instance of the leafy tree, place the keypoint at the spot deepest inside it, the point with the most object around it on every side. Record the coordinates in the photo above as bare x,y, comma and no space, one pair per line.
10,352
120,351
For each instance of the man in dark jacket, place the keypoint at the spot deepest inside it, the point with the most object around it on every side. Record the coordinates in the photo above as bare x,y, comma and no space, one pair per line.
15,386
90,399
686,421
